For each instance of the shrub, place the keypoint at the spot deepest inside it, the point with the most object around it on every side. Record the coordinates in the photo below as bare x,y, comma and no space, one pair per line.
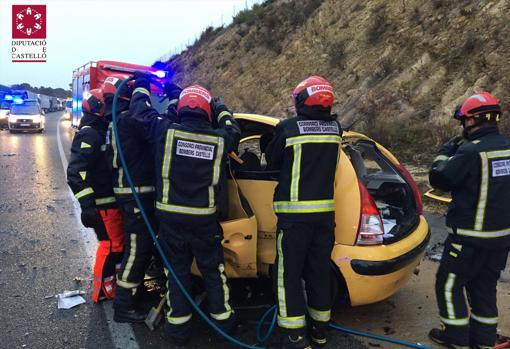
415,16
336,53
377,28
250,15
470,44
437,3
383,69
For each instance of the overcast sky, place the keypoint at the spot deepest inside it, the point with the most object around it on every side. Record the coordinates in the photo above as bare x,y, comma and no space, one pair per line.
134,31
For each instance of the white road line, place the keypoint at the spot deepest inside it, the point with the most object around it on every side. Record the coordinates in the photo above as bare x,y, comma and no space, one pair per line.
122,334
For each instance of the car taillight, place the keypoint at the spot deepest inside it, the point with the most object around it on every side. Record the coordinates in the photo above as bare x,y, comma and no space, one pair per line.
371,228
416,191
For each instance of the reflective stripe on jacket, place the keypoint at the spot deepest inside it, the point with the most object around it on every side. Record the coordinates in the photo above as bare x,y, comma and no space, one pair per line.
88,174
478,176
190,158
306,151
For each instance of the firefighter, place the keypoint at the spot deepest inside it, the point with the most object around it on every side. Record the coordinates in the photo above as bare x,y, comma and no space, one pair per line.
139,248
475,168
305,149
90,180
190,159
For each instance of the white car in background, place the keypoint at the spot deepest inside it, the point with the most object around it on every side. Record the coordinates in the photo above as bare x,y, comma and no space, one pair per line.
26,116
68,109
4,114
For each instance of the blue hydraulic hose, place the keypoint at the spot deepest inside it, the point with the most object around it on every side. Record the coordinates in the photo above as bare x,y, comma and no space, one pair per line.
261,338
336,327
153,234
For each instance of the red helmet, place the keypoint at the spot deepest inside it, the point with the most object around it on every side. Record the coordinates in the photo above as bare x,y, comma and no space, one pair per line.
112,83
93,102
193,98
314,91
480,105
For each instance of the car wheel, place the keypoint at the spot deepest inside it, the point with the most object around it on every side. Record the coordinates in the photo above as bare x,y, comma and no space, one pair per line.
12,131
41,130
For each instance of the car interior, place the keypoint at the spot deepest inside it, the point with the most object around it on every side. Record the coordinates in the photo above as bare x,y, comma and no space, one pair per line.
392,194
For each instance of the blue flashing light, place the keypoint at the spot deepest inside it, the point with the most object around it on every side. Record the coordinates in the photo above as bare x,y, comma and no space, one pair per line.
8,97
159,73
17,100
75,103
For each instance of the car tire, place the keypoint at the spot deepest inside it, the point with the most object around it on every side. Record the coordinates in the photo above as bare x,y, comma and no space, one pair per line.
12,131
41,130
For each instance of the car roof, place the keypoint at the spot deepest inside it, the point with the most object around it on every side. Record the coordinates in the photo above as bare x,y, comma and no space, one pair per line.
273,121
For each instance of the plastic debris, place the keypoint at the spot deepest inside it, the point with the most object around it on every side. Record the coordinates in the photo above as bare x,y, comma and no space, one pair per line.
70,299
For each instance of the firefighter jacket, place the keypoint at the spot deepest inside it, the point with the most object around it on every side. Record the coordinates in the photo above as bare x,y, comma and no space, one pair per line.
190,158
88,173
306,151
139,158
478,177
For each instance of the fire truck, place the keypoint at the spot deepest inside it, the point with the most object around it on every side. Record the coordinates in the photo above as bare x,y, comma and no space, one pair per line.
92,74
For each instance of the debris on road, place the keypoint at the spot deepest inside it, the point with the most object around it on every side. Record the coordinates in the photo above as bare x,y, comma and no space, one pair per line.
70,299
9,154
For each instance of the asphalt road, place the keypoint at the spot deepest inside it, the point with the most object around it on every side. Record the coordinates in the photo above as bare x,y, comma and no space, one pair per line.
45,251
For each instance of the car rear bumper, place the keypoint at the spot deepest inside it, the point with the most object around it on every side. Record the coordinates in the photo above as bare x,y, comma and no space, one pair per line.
374,273
364,267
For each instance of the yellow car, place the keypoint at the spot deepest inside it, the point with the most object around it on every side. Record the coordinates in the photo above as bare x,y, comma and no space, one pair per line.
380,235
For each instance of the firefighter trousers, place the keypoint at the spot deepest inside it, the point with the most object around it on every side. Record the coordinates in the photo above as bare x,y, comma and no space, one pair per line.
475,270
138,251
109,253
182,243
303,253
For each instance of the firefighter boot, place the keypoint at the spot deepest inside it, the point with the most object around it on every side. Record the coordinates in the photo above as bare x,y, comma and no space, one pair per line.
439,336
130,316
292,341
318,334
124,309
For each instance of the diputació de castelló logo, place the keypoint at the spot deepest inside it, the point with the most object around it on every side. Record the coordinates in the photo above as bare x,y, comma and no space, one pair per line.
29,33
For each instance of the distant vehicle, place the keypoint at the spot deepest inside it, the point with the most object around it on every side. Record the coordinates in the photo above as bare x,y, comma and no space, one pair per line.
23,94
61,104
5,106
93,74
68,113
6,100
53,104
44,102
26,116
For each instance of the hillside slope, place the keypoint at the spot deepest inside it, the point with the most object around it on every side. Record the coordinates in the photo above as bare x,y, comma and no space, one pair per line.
398,67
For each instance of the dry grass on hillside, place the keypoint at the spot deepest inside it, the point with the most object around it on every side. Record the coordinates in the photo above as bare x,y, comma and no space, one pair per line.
398,67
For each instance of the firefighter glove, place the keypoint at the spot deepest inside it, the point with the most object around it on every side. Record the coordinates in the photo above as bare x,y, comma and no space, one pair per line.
142,80
172,91
450,147
218,106
90,217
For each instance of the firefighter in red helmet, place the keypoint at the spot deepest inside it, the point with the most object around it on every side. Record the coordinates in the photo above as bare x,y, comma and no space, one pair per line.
90,180
305,149
191,158
475,168
138,247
